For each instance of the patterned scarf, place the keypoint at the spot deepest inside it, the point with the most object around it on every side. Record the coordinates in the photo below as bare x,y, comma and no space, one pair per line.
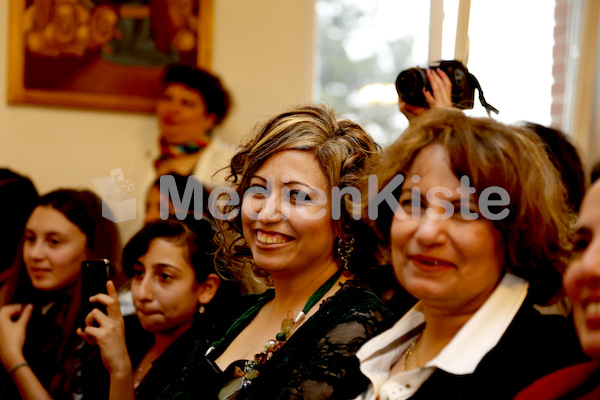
168,151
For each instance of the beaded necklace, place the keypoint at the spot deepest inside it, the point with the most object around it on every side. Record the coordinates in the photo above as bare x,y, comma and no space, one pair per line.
408,353
251,368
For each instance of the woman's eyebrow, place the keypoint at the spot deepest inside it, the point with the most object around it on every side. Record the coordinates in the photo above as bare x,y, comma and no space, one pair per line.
286,182
300,183
162,265
256,176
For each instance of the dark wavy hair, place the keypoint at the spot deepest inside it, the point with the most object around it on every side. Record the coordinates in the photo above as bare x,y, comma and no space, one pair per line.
18,197
565,158
198,249
536,231
84,209
195,237
216,97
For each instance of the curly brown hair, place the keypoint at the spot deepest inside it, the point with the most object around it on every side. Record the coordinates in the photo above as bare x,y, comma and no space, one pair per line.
537,228
341,148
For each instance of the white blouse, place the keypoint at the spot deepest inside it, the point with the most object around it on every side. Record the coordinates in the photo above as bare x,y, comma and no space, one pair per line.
460,357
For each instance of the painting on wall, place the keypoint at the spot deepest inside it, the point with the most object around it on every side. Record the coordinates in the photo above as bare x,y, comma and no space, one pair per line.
102,54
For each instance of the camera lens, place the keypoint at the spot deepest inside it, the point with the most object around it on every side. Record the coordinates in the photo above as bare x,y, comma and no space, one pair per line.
409,86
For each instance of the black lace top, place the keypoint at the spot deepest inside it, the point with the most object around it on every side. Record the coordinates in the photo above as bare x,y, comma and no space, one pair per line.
317,362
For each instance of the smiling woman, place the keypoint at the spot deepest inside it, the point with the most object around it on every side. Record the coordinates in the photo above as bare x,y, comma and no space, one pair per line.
192,103
581,381
303,242
466,275
316,315
474,332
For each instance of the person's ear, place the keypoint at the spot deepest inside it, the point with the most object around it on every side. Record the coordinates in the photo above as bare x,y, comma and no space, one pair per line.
208,288
211,120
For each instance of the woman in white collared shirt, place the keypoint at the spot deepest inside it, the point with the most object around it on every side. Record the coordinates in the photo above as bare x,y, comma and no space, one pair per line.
479,236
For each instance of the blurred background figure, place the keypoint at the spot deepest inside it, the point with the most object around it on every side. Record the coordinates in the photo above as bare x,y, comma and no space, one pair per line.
565,158
18,197
181,182
595,172
193,102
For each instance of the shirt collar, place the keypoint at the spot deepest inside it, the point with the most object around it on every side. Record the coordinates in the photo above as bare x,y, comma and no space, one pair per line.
474,340
396,336
484,329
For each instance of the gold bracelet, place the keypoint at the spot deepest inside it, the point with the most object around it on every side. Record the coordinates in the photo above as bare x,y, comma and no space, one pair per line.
16,367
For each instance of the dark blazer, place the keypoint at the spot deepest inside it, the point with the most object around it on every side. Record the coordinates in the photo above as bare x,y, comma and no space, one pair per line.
532,346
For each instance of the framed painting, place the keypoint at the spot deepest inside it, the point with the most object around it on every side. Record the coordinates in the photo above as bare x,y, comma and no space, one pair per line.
102,54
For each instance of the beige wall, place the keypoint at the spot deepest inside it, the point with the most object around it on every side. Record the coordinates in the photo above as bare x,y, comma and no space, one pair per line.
262,50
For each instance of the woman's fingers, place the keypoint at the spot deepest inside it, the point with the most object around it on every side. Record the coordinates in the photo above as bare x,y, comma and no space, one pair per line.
95,316
445,79
98,326
13,325
439,97
17,314
114,308
25,315
441,87
11,311
110,300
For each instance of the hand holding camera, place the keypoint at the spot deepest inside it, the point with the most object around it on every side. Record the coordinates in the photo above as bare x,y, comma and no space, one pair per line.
439,97
416,85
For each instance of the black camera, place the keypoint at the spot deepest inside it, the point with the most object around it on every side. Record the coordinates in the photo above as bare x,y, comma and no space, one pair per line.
410,84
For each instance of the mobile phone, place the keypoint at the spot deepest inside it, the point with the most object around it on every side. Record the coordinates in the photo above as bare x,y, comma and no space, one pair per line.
94,275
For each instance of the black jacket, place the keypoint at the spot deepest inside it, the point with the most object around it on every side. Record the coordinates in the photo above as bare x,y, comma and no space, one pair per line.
532,346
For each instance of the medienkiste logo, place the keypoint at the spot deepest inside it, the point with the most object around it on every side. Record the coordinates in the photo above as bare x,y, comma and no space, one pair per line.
117,204
491,203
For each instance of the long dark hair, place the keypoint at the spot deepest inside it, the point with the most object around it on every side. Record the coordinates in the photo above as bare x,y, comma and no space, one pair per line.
84,209
196,238
56,313
18,197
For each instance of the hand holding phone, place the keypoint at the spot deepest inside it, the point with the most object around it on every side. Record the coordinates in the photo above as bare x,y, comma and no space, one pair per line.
94,275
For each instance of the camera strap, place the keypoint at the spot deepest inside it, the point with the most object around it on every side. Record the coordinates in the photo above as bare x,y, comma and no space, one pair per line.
488,107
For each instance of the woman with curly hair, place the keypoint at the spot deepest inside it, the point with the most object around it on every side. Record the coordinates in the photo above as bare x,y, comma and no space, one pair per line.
291,227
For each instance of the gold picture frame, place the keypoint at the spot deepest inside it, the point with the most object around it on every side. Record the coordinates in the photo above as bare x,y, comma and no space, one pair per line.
102,54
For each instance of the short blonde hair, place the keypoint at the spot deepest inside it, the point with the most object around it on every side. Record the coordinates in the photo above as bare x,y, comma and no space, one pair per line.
536,231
